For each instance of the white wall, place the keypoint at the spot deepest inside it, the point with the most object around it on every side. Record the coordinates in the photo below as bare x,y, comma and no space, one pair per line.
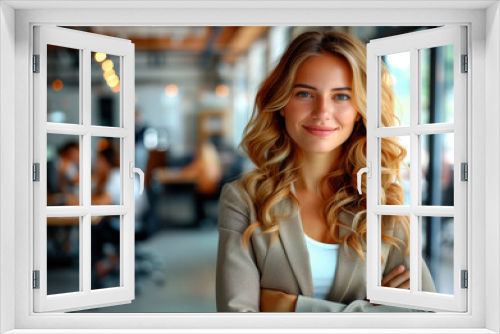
23,130
7,160
492,152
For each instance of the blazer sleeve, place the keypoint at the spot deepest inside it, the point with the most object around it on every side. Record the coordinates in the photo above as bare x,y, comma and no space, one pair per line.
308,304
237,274
395,258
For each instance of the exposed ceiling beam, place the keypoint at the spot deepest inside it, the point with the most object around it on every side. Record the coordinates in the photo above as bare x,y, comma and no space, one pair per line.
243,38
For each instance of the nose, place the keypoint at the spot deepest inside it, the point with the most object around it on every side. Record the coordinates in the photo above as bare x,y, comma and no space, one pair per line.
323,108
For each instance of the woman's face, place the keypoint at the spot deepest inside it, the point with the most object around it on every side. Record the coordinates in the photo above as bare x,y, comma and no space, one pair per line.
320,115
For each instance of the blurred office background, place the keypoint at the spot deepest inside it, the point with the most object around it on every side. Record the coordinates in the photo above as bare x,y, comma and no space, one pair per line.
195,88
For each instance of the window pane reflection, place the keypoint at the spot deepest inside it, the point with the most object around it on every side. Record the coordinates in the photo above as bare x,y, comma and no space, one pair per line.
63,255
394,227
389,175
105,89
106,178
437,252
63,85
437,93
63,169
399,68
105,252
437,169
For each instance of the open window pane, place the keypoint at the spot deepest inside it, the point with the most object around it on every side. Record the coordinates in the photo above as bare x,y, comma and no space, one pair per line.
398,65
394,244
105,89
63,85
437,252
106,178
437,77
438,149
63,169
105,252
63,255
437,161
397,146
54,232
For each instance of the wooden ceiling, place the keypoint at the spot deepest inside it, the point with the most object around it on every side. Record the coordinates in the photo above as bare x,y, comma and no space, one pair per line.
226,42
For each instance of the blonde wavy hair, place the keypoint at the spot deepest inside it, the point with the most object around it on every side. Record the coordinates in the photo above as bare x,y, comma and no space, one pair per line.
277,158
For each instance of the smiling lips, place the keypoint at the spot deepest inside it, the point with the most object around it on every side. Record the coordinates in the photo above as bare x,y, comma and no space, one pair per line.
319,130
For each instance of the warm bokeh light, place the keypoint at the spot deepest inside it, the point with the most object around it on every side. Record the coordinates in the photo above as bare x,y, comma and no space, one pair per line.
108,73
116,88
107,65
222,90
172,90
57,85
112,81
99,57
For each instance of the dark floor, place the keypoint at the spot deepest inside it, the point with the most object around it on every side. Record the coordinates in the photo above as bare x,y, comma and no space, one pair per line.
186,279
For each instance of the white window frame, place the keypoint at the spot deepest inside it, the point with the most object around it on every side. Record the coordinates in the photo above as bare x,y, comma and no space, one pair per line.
85,43
483,21
412,43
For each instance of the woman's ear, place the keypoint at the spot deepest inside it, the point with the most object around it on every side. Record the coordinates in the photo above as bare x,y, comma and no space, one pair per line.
282,112
358,117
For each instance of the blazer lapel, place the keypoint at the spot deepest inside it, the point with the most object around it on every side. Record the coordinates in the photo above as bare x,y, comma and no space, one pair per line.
343,276
292,238
294,244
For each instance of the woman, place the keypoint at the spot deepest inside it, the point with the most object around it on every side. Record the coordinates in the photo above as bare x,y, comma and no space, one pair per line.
293,231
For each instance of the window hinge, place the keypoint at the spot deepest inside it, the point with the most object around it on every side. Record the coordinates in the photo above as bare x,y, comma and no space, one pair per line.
465,279
464,171
36,279
36,172
36,63
465,64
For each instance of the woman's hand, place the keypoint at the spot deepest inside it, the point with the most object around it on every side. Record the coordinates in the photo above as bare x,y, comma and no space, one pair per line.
397,278
276,301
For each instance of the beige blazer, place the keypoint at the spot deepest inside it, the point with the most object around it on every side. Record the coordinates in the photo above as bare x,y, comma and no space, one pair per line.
284,265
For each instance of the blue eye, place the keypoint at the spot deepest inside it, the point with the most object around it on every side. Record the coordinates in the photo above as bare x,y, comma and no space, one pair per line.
303,94
342,97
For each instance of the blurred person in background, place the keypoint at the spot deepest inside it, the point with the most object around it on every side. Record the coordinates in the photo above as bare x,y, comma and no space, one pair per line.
105,191
292,232
106,175
208,168
206,172
67,176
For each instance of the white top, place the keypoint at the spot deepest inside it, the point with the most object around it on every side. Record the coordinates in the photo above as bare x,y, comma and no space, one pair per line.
323,259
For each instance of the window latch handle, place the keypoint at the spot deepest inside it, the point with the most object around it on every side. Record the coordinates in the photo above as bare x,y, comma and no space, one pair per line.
367,170
133,170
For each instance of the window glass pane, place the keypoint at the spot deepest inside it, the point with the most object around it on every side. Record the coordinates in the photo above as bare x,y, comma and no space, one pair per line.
437,99
437,157
393,146
106,178
63,255
105,71
63,169
398,65
105,252
395,227
63,85
437,252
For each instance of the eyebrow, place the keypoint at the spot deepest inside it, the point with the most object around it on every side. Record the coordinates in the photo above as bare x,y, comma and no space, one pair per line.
314,88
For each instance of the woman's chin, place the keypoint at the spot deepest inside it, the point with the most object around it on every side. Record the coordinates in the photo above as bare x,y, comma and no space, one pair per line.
319,151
